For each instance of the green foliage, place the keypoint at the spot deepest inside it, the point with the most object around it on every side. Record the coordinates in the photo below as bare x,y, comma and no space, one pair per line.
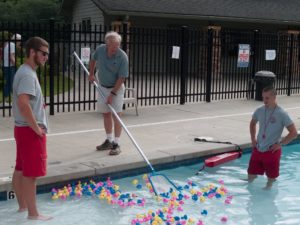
5,10
29,10
61,82
4,36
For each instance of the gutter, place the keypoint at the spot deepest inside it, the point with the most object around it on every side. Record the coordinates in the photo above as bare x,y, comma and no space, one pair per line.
203,17
107,11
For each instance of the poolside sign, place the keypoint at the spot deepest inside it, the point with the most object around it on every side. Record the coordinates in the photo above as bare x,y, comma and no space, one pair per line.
243,56
11,195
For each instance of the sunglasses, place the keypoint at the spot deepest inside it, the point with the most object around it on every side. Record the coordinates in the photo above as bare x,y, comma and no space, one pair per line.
43,52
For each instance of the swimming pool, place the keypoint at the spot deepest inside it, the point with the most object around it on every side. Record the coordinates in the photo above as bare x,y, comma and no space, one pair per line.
250,203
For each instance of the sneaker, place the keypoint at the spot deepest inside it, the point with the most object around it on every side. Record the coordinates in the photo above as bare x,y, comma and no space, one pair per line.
115,150
106,145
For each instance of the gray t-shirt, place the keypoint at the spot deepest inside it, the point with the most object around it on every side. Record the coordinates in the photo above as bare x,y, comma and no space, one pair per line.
26,82
271,124
110,69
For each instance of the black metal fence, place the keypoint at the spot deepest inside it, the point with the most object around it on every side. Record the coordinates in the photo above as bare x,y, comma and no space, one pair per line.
206,69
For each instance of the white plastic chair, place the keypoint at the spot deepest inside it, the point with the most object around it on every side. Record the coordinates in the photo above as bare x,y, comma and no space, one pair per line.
132,98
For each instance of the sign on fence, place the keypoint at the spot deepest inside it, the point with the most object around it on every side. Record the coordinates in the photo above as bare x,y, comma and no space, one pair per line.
243,56
85,55
270,54
175,52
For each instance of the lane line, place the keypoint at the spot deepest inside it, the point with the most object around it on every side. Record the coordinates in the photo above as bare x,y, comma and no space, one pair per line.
150,124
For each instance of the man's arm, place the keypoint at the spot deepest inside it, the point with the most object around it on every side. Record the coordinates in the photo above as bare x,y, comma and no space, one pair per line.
92,70
118,84
253,132
114,91
26,111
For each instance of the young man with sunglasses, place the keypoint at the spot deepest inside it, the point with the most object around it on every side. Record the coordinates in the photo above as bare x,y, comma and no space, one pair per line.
30,128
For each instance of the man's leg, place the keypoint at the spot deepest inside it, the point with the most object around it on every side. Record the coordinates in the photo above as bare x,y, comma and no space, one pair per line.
117,127
29,187
107,117
18,188
6,74
108,124
118,130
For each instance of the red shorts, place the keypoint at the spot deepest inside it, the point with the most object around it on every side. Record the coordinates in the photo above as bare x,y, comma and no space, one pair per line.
31,156
265,162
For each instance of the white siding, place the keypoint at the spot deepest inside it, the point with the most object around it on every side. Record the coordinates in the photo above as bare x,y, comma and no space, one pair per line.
87,9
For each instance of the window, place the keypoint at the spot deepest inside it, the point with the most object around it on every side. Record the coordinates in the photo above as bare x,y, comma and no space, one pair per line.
86,24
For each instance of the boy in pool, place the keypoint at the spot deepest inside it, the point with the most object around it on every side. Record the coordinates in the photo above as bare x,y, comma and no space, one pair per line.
266,153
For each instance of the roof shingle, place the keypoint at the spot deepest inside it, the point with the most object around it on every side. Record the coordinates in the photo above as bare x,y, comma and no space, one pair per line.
263,10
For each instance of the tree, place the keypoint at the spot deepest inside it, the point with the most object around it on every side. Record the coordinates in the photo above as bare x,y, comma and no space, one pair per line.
5,10
29,10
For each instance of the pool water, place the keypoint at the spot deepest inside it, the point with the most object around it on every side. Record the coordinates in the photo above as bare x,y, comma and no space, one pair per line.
250,203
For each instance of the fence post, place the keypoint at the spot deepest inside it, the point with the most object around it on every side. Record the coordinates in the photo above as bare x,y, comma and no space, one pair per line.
184,63
253,53
291,58
210,40
51,64
124,44
125,33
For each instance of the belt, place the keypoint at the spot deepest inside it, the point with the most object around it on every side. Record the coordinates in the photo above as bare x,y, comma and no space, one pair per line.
107,86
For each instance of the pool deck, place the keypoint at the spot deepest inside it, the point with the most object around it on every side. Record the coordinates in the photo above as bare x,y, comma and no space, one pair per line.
165,134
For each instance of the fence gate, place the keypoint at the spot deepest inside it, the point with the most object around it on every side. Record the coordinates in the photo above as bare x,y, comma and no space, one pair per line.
206,70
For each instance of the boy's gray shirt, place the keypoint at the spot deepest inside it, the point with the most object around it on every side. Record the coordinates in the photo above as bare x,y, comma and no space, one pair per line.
271,122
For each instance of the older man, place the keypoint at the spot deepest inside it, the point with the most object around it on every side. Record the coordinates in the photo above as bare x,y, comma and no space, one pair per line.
112,65
266,152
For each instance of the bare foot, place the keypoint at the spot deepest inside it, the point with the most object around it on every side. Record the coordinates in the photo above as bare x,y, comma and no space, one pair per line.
245,179
20,210
269,184
251,178
40,217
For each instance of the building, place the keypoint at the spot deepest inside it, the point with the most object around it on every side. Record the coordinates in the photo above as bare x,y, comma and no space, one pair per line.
247,14
263,24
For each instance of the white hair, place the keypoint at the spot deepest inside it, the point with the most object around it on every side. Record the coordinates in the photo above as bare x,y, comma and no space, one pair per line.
16,37
112,35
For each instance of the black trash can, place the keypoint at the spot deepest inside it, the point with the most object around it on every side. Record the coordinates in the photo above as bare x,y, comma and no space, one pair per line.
263,79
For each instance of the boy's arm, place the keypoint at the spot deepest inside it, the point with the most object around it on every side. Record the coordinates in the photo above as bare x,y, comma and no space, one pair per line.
291,135
253,132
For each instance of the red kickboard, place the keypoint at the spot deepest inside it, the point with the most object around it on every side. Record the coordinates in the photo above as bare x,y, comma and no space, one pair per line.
223,158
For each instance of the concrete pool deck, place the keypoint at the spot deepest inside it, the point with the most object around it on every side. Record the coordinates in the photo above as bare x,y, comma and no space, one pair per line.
165,134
